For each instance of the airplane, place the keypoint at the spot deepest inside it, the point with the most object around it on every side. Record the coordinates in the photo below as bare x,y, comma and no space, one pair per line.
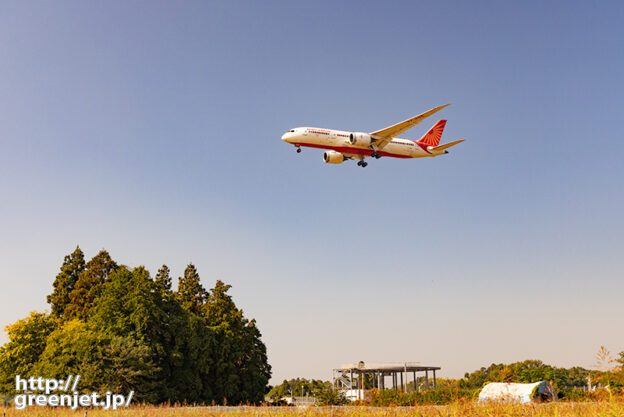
342,145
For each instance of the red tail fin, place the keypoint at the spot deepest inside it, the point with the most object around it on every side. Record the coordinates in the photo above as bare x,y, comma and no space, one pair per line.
432,137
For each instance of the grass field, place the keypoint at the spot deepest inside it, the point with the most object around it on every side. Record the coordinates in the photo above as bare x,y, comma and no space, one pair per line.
612,408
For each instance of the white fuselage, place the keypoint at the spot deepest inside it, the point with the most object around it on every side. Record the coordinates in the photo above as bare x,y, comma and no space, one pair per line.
338,141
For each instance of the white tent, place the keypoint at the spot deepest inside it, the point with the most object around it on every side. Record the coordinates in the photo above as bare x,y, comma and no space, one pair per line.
521,393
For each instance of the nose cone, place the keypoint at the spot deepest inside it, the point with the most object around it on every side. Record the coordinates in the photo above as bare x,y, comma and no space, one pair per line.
286,137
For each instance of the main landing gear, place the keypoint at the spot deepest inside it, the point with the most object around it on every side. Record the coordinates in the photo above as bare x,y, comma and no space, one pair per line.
375,155
362,164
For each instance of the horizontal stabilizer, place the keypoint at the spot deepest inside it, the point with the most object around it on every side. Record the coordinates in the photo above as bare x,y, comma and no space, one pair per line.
447,145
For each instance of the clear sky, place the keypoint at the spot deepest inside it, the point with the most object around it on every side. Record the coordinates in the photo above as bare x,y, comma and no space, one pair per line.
152,129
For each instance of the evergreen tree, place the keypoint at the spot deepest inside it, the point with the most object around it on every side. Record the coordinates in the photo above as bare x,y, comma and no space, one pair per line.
122,330
191,294
73,266
89,285
132,306
125,365
163,279
242,371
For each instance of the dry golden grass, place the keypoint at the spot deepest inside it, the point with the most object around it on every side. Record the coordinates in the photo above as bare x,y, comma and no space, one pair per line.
612,408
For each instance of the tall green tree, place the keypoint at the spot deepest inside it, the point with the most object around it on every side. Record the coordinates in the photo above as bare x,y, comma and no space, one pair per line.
191,294
163,279
123,330
73,266
89,285
241,371
131,305
27,341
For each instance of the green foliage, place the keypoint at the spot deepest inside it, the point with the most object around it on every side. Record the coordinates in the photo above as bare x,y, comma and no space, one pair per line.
121,330
438,396
298,387
617,374
163,279
88,286
104,362
27,341
579,395
526,372
327,395
242,370
322,391
73,266
132,305
67,349
191,294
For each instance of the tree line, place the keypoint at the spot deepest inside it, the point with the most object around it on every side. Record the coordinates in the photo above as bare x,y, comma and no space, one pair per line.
565,380
535,370
122,329
321,391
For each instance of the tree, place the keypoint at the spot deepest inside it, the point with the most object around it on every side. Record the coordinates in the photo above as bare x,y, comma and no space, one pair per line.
122,330
27,341
104,362
126,365
526,372
73,266
619,371
191,294
131,305
68,349
327,395
89,285
242,370
298,387
163,279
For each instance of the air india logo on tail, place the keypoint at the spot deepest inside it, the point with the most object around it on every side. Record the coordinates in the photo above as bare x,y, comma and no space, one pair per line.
432,137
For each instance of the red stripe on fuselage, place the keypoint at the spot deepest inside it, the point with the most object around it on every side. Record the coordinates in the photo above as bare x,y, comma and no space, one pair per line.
357,151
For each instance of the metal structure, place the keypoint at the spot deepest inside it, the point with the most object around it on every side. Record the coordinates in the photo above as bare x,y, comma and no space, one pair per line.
362,376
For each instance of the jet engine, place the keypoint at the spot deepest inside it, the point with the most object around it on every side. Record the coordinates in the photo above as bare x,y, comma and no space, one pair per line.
333,157
360,139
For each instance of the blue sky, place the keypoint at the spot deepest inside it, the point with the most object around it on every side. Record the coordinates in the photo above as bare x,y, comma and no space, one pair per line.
152,129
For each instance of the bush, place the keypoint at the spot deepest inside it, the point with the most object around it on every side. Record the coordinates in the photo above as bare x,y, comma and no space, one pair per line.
436,397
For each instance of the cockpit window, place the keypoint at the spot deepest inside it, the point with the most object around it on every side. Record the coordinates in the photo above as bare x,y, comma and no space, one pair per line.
293,131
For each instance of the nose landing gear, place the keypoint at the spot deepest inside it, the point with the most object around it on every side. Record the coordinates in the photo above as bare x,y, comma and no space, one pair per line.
298,148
